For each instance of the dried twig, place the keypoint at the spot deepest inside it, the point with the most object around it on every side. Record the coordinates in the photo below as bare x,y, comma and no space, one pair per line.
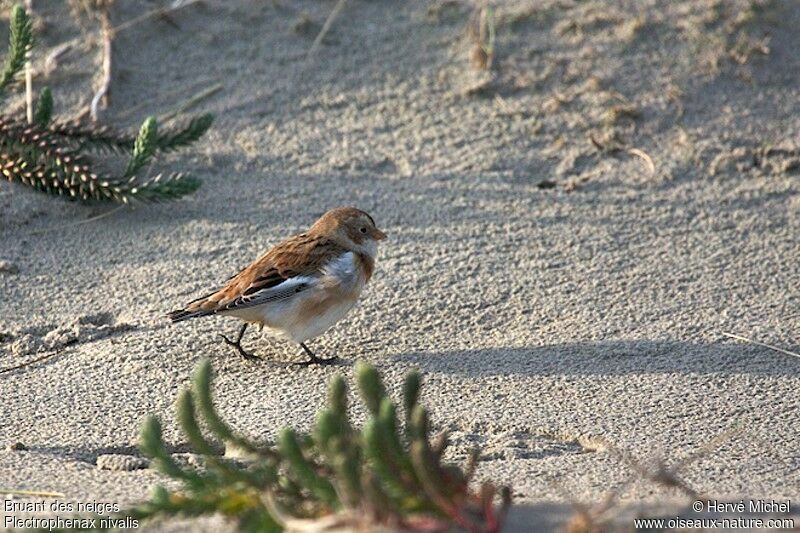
646,158
78,223
192,101
668,475
660,473
590,518
29,74
51,62
160,12
108,34
163,99
611,145
707,448
751,341
325,28
105,83
29,363
481,29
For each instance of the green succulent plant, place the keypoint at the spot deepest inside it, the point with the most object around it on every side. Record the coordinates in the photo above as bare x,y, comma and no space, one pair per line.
386,475
58,158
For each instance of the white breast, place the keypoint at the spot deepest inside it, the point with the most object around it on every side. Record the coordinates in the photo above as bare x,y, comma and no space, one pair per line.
307,328
342,270
309,313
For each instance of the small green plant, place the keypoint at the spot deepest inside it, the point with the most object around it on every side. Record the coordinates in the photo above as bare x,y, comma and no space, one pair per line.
54,157
386,474
20,43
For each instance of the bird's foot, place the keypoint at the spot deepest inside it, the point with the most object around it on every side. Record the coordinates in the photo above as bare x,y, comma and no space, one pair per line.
313,359
318,361
238,345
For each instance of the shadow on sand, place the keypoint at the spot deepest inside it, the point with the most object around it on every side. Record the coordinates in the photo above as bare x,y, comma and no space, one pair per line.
609,358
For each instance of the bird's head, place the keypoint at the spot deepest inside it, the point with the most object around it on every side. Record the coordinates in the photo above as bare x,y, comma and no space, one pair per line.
351,228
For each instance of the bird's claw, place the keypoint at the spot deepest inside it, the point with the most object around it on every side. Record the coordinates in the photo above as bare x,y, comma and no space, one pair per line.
238,345
318,361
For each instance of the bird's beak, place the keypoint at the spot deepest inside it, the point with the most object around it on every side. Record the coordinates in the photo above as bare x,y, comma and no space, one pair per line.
378,235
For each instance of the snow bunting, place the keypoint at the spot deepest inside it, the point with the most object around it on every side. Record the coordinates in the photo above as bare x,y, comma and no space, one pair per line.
302,286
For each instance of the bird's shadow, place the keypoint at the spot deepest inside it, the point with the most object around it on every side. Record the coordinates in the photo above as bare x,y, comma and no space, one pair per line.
608,358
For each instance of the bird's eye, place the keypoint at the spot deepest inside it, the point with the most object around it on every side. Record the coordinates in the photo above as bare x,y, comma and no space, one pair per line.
363,230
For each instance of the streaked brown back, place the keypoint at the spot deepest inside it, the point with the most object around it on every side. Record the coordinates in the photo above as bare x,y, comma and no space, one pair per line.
301,255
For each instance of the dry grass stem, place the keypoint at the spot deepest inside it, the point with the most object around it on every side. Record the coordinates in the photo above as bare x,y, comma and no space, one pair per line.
78,223
51,62
29,363
325,28
101,96
481,30
651,167
160,12
192,101
29,74
769,346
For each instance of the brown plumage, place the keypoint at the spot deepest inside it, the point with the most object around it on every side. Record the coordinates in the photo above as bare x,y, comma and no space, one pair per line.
300,255
304,284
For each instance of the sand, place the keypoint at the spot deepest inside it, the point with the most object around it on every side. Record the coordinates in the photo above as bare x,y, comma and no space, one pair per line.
564,301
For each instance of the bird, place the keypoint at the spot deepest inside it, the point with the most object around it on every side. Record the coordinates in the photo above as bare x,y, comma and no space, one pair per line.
300,287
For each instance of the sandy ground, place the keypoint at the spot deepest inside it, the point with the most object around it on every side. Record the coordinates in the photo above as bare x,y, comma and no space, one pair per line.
562,299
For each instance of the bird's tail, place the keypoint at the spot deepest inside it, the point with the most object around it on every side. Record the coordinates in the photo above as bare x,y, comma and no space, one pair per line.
180,315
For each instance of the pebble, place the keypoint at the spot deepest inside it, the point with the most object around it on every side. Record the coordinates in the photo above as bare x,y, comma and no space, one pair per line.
7,267
120,462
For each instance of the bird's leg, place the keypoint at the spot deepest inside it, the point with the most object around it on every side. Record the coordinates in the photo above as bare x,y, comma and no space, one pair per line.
314,360
238,344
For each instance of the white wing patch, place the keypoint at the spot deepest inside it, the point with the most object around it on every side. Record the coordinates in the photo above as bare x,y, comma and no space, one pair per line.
281,291
303,307
341,271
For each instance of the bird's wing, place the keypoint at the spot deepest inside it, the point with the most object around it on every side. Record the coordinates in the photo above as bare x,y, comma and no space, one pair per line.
293,266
